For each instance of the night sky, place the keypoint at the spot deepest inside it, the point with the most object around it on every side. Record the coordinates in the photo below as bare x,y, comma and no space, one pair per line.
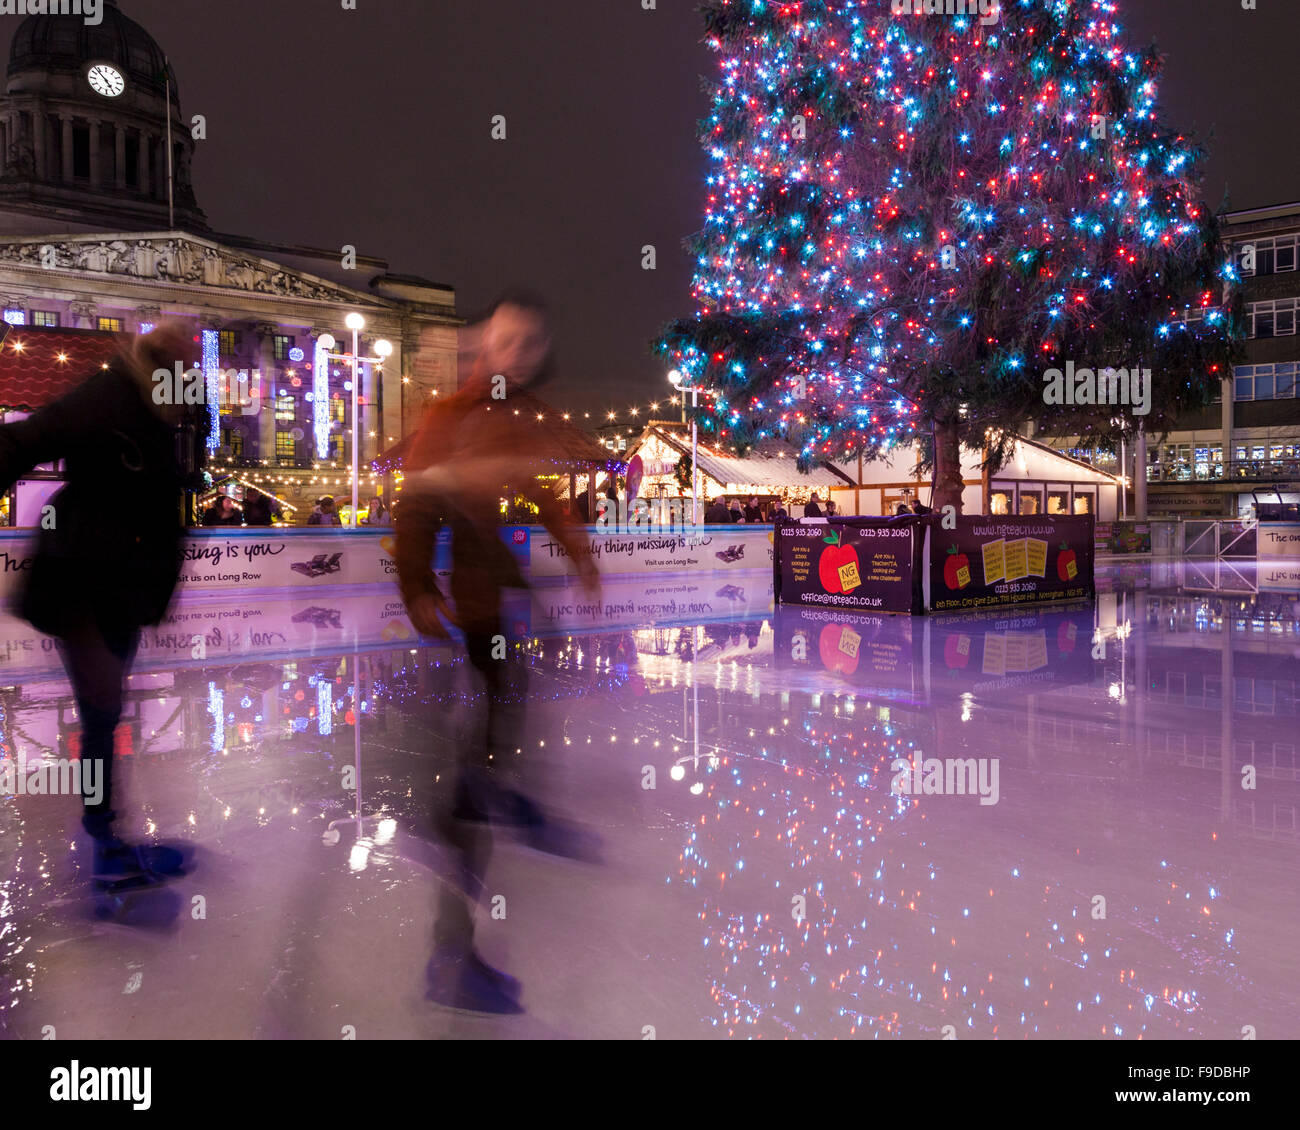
372,127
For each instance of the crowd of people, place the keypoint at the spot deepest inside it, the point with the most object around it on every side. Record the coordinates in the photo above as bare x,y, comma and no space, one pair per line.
264,510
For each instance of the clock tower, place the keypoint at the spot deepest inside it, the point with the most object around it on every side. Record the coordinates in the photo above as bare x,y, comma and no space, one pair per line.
83,130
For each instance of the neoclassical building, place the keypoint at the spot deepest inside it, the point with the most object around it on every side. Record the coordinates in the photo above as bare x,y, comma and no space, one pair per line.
100,231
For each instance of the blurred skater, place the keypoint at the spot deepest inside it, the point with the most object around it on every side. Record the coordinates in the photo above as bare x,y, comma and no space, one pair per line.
463,458
101,573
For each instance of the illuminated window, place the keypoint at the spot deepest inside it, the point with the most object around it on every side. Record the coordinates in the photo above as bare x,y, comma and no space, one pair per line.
229,342
110,325
286,409
16,317
338,409
282,346
286,449
44,318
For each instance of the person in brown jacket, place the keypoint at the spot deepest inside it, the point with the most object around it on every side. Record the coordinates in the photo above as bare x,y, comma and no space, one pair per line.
471,450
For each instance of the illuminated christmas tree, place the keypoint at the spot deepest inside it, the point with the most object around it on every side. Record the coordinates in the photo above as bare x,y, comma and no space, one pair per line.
911,218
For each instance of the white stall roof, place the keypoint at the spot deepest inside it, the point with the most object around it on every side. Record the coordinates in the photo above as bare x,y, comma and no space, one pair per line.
1029,460
771,463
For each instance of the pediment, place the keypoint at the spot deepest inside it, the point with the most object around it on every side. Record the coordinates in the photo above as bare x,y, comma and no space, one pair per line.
172,257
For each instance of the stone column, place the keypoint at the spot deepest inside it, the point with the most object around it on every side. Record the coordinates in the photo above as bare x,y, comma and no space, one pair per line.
266,416
1225,421
39,139
370,421
1140,475
4,143
95,178
68,161
119,158
142,163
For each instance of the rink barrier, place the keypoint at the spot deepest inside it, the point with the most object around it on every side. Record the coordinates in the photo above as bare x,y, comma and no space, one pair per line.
912,564
279,558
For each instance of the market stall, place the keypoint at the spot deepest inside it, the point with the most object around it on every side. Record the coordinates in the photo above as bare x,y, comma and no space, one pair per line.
1034,480
662,456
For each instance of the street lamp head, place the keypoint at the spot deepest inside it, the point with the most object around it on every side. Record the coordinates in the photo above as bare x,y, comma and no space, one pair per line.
383,348
356,322
675,378
327,341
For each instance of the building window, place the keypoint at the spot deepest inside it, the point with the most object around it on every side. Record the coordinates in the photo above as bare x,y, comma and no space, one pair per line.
336,448
286,409
228,342
110,325
282,346
286,450
234,442
1266,382
44,318
337,410
1273,256
16,317
1271,319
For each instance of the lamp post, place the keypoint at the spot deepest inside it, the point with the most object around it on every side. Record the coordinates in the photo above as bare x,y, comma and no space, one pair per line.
383,350
675,378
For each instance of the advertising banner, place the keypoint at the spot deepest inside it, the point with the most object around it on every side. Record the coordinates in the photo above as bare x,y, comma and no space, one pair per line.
273,558
1013,560
868,564
711,549
1278,540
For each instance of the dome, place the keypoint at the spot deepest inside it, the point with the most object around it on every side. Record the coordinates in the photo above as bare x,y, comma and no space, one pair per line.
67,43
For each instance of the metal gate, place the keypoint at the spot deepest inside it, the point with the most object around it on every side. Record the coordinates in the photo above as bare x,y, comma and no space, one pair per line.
1205,538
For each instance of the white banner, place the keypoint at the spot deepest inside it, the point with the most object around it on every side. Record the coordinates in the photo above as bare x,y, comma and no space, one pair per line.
709,549
272,559
1277,539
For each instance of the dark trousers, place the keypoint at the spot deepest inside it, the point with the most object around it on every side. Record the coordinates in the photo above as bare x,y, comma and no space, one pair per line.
480,795
98,660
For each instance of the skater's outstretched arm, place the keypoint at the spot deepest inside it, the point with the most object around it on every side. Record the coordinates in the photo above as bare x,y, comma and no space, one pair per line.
567,533
49,433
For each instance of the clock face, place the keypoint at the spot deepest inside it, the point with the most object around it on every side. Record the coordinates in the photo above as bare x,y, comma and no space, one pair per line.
105,80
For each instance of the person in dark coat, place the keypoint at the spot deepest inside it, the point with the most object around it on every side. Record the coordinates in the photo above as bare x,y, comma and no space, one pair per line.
919,507
325,514
101,573
753,512
812,510
717,514
260,509
223,513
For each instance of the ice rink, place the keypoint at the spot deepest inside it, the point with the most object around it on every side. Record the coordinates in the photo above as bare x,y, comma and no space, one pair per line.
1120,863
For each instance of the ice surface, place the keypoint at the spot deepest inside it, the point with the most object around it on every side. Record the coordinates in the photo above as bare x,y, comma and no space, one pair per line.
780,887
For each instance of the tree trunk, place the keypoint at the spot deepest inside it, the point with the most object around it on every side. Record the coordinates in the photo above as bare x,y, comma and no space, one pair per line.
947,466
